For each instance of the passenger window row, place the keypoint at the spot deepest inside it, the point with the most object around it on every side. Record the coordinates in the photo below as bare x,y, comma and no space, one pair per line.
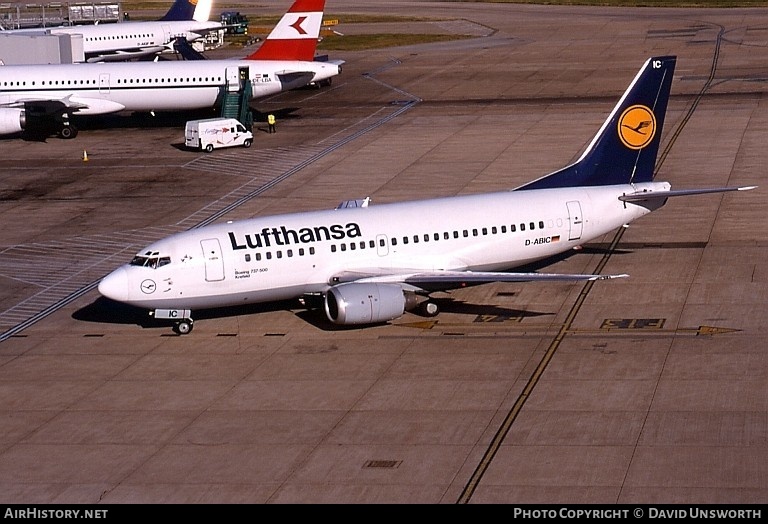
115,37
169,80
268,255
353,245
119,81
446,235
426,237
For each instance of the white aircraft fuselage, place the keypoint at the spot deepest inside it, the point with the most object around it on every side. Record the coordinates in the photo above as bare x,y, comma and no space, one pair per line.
177,85
107,42
286,256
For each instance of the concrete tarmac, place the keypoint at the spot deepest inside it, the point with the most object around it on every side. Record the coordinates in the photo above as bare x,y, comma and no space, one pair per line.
646,390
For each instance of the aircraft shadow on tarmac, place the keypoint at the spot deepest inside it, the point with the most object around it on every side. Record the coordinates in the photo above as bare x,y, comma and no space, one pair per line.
451,305
148,121
106,311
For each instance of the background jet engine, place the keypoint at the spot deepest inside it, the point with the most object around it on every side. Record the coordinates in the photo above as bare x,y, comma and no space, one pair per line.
12,121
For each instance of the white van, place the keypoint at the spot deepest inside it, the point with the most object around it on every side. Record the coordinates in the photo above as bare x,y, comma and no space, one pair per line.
212,133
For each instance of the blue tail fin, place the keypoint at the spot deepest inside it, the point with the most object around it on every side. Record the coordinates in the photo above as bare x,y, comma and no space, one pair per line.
625,148
180,10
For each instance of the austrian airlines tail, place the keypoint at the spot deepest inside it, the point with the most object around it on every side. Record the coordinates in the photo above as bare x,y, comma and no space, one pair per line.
295,36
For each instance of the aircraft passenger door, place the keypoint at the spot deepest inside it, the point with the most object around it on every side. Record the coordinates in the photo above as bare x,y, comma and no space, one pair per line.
233,79
575,219
166,35
103,82
382,245
214,262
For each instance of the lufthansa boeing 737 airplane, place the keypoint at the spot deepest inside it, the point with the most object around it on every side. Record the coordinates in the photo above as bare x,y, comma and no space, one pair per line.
284,61
371,263
187,19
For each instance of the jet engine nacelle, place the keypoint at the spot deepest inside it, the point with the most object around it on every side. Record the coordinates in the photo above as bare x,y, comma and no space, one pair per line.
12,121
355,303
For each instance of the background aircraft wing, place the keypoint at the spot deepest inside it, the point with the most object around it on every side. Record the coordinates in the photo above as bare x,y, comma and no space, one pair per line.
127,54
35,102
72,104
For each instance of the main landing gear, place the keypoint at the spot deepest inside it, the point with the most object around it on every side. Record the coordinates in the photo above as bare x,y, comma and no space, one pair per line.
428,309
67,131
48,116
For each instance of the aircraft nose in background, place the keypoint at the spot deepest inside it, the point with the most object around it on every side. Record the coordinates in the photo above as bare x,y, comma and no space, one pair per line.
115,285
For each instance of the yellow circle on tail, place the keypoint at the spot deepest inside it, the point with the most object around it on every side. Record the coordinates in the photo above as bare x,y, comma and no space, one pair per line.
637,127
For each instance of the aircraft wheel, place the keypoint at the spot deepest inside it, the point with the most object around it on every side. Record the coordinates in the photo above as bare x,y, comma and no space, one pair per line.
184,327
68,132
247,143
429,309
209,148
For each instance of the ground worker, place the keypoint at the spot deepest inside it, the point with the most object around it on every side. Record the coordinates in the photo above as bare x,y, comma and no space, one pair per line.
271,122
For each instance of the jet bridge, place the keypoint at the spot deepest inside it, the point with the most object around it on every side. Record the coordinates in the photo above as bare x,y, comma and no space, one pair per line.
57,14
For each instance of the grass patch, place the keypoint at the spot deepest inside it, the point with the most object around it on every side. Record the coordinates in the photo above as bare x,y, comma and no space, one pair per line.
261,25
378,41
244,7
629,3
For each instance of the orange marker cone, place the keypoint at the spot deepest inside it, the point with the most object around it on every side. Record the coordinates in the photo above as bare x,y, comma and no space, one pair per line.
85,155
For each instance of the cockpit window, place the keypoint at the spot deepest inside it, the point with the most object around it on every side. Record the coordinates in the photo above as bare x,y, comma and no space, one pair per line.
150,259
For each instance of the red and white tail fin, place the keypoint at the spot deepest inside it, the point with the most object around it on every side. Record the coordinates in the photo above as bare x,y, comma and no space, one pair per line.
295,35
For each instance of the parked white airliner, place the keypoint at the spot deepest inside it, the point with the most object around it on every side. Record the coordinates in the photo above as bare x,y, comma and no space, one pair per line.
370,263
128,40
284,61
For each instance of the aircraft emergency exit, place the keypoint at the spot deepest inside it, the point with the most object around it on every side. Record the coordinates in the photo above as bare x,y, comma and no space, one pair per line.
129,40
371,263
284,61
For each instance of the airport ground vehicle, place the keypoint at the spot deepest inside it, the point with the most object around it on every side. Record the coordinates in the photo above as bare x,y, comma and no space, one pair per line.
236,24
213,133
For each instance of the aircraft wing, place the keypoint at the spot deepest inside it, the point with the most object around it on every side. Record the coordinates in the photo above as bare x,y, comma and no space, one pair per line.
127,54
80,105
63,103
444,280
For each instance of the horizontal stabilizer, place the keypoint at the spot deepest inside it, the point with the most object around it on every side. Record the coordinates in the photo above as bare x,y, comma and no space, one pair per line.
295,79
645,196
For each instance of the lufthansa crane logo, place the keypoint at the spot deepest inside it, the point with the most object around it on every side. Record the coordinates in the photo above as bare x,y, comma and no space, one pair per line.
637,127
148,287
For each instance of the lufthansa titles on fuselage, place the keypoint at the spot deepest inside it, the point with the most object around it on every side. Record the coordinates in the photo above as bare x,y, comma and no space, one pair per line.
283,236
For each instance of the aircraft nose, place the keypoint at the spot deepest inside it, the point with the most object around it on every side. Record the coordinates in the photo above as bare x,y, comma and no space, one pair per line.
115,285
